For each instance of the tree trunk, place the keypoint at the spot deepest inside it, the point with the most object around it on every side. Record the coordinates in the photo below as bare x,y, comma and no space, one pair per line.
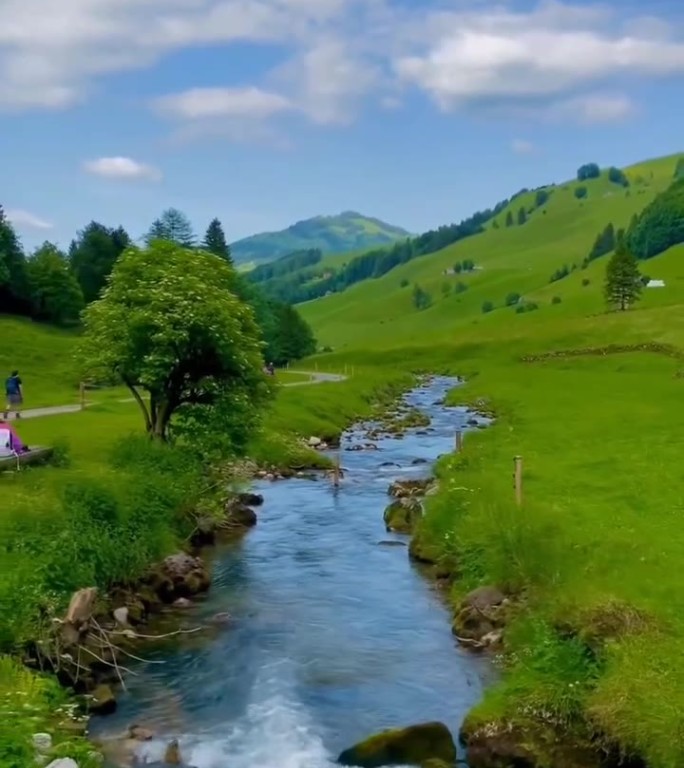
161,416
141,403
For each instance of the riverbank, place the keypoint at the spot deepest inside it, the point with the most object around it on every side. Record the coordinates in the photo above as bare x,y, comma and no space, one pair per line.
72,524
590,557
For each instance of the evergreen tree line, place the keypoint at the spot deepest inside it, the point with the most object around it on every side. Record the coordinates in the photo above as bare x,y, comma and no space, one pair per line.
52,286
294,287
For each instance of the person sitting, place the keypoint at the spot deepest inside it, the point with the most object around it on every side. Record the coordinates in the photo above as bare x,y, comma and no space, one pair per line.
10,442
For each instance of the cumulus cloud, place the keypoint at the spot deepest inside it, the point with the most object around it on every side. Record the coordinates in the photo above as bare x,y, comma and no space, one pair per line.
27,220
121,168
338,53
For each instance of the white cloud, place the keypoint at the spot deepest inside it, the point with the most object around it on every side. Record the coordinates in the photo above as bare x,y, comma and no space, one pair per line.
337,53
505,57
121,168
207,103
522,147
600,108
27,220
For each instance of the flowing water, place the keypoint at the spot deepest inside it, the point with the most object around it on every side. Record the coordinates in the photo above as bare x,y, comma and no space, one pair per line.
334,636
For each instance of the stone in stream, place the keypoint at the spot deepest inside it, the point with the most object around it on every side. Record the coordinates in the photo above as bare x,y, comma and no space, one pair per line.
412,487
103,701
63,762
251,499
391,543
402,515
238,514
179,575
414,745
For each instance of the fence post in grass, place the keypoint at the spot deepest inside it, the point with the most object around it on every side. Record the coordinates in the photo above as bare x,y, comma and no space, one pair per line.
459,441
517,462
81,394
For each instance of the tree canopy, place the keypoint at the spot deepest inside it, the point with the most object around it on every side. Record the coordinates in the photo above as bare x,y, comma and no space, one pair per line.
170,328
588,171
623,281
92,255
215,241
55,293
660,225
173,225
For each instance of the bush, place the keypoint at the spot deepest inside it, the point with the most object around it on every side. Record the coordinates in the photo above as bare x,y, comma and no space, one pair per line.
585,282
581,192
556,300
512,299
529,306
404,282
487,306
460,287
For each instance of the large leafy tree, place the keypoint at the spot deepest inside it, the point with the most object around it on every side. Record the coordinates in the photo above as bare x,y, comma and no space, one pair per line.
215,241
56,295
92,255
623,280
172,225
170,328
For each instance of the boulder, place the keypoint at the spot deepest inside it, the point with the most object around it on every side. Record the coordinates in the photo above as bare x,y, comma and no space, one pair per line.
121,616
63,762
402,515
481,614
414,745
314,442
204,534
179,575
102,701
415,462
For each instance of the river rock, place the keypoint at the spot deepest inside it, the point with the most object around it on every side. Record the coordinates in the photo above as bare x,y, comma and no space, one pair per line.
139,733
204,534
402,515
240,515
481,614
179,575
182,603
121,615
390,543
250,499
415,462
314,442
63,762
103,701
403,746
414,487
42,742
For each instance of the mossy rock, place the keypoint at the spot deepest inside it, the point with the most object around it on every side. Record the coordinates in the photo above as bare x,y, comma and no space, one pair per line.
402,515
415,745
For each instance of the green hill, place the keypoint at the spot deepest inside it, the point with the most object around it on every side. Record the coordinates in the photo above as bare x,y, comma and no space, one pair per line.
518,259
348,231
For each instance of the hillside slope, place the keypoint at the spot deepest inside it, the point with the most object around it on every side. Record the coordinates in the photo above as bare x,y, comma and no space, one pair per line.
518,259
348,231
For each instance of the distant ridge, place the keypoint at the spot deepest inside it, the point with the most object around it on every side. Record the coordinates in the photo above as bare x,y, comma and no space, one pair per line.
347,231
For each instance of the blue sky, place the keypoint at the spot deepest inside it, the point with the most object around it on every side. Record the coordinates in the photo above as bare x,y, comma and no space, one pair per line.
264,112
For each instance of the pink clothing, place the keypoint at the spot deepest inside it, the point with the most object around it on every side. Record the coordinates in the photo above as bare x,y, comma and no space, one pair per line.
11,440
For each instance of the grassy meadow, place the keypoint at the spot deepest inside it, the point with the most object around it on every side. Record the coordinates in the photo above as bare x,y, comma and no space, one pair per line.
595,548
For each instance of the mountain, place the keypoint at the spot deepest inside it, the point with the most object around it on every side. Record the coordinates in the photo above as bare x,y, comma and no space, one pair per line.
348,231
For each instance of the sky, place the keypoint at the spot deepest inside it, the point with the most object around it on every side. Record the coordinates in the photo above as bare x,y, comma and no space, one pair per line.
266,112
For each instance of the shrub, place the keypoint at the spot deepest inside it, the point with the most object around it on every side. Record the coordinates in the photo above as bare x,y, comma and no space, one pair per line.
556,300
460,287
487,306
581,192
404,282
585,282
512,299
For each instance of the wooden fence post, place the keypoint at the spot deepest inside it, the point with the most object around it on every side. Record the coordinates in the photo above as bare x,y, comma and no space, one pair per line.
459,441
517,462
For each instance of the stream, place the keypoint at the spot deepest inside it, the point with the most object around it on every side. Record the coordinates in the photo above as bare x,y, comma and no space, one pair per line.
333,637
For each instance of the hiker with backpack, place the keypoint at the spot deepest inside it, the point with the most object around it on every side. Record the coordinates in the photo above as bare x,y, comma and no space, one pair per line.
14,395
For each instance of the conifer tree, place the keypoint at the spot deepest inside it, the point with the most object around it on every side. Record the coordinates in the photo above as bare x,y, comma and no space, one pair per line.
623,280
215,241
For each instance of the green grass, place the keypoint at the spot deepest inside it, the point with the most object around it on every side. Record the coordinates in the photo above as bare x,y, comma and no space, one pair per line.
598,542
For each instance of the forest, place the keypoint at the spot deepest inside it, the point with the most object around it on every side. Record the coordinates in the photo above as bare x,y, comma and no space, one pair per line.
52,286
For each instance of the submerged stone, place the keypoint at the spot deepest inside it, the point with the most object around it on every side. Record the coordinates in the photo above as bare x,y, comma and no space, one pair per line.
402,515
414,745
